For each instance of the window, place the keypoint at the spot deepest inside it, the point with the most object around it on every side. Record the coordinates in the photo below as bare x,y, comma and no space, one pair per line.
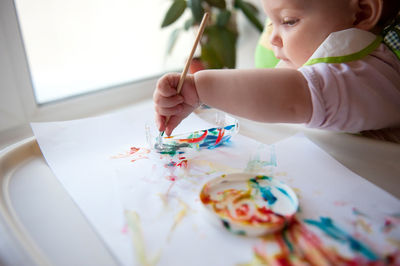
78,46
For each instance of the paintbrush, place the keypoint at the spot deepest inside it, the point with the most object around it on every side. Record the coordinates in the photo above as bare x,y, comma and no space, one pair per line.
185,70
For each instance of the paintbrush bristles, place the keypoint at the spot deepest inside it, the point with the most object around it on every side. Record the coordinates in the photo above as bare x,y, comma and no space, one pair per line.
189,60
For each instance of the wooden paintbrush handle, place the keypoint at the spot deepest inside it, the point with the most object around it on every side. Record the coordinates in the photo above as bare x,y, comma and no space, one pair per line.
189,60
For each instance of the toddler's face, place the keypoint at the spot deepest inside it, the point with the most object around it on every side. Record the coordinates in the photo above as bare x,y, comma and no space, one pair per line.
300,26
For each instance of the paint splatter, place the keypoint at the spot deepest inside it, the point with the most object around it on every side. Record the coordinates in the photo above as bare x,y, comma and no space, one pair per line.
134,154
297,245
174,151
135,228
364,225
390,223
329,228
178,218
358,212
203,139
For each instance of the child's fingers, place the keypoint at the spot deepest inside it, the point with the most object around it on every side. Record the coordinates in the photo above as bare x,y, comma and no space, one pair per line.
166,102
176,119
160,122
169,111
166,85
172,124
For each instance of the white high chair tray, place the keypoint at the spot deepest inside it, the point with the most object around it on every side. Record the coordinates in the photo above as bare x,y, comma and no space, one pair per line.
39,222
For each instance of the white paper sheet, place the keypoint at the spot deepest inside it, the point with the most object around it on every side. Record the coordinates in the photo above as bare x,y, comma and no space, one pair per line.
165,218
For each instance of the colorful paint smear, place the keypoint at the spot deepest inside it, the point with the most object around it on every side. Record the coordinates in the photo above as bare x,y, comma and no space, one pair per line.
297,245
332,230
174,151
203,139
252,210
135,153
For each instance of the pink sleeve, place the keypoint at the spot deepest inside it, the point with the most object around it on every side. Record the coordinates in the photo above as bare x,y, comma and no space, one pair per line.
355,96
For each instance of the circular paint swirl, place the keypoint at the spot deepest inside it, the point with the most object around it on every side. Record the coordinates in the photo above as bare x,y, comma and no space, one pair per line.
249,205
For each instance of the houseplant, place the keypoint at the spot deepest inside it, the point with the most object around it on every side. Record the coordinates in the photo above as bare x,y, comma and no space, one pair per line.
218,45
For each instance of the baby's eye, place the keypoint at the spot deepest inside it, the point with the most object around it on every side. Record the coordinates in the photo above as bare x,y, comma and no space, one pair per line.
290,21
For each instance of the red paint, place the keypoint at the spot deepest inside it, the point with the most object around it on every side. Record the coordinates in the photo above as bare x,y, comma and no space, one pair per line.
205,197
141,157
195,140
124,229
171,178
134,150
182,163
388,226
265,210
221,133
283,261
242,210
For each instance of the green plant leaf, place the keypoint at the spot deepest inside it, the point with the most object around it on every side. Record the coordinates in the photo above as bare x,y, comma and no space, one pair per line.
209,57
249,13
217,3
173,37
223,18
222,43
197,10
253,8
174,12
188,23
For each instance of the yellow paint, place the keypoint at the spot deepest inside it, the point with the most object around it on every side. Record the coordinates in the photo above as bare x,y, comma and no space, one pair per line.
394,242
139,247
217,167
366,227
164,199
178,218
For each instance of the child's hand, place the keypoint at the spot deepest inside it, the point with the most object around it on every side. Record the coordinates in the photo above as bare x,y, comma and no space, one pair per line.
168,104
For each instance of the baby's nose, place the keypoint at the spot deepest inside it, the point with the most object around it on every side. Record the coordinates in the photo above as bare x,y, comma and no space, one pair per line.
275,39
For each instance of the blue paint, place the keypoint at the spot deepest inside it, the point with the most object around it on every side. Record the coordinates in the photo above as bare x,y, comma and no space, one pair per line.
284,192
228,227
287,242
328,227
209,142
265,191
230,127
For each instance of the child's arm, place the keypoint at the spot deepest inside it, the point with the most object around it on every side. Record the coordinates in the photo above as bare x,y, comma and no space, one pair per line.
266,95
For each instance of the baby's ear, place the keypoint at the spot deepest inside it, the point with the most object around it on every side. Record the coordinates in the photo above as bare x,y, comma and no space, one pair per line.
368,14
